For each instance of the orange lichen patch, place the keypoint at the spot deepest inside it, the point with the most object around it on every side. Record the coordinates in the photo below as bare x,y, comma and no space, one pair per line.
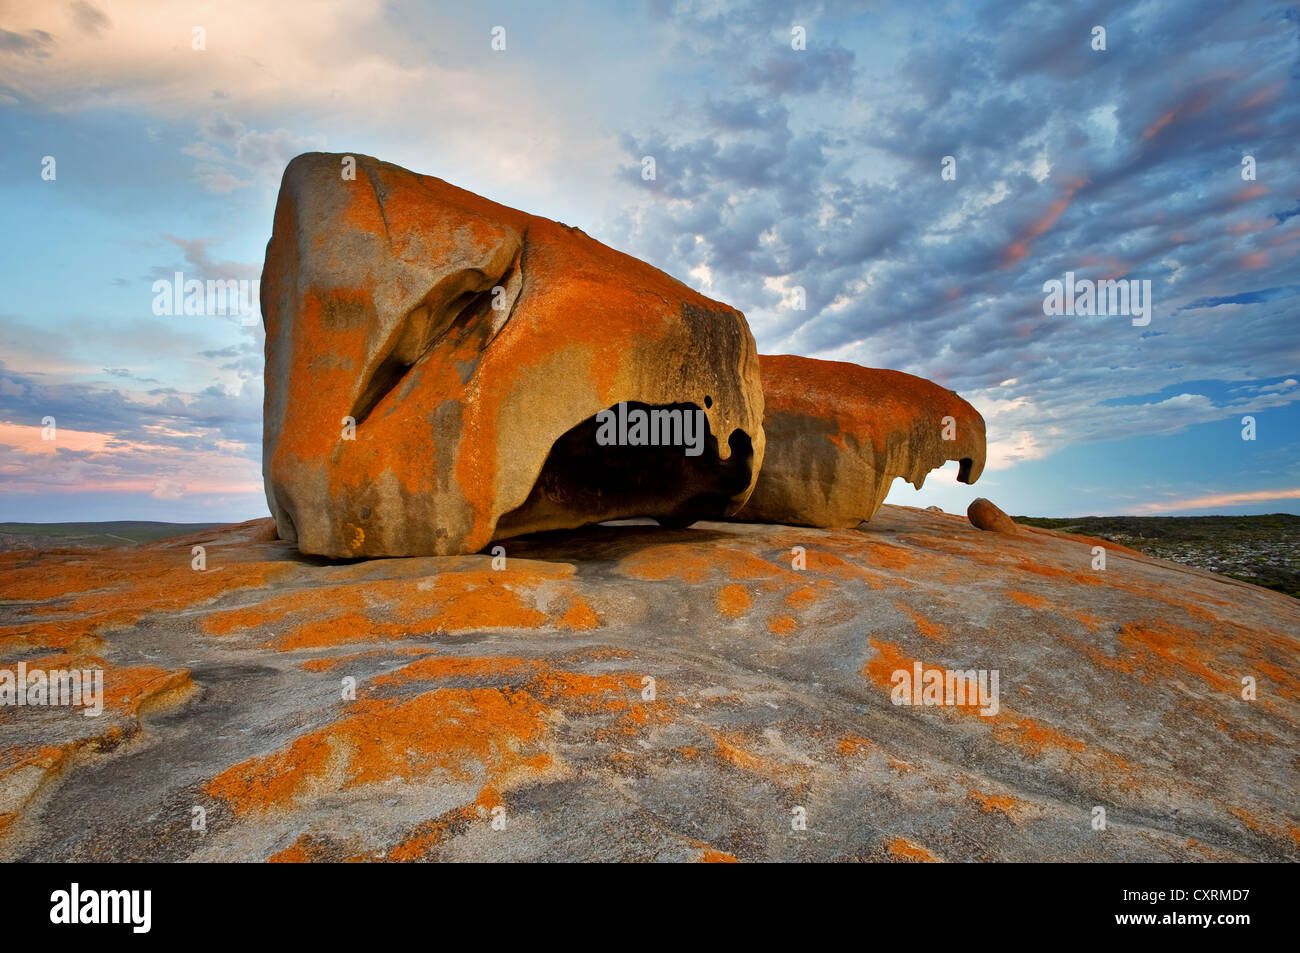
1028,599
1284,833
730,748
580,617
733,600
1283,682
317,602
931,630
118,587
781,624
903,849
973,550
24,771
306,849
464,604
579,693
435,832
1029,735
852,744
708,855
888,556
1247,818
802,598
449,732
1089,620
452,602
138,688
637,719
128,689
442,667
888,659
432,833
337,629
1008,728
1083,577
694,564
1012,807
64,635
1159,650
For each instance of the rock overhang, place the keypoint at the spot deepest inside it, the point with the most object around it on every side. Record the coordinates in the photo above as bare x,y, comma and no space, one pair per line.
427,349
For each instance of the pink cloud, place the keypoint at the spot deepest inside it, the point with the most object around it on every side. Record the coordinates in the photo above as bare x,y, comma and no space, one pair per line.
1020,247
1213,500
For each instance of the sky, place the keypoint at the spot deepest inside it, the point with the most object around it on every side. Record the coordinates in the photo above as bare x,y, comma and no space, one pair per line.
919,170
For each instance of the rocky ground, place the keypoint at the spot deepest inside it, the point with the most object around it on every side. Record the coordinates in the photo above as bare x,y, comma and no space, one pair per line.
633,693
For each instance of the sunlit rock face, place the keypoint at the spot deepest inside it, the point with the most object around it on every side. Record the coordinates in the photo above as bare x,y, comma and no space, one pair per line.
436,363
838,434
985,514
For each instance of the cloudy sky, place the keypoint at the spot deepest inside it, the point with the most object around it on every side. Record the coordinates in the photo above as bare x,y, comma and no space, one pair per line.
776,169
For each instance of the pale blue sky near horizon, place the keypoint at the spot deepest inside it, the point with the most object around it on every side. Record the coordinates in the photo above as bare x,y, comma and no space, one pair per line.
775,168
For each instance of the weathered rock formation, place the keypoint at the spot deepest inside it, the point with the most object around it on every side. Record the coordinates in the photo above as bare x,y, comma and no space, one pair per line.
435,363
838,434
524,689
984,514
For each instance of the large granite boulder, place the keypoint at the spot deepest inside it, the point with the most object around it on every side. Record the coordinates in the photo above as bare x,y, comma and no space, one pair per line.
838,434
436,364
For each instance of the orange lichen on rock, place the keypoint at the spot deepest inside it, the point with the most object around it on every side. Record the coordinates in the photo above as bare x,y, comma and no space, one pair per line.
733,600
576,692
386,609
450,732
888,556
903,849
80,596
781,624
1028,600
852,744
1161,650
709,855
889,658
931,630
802,598
442,667
431,316
1031,736
838,434
692,564
127,689
1012,807
1008,728
731,748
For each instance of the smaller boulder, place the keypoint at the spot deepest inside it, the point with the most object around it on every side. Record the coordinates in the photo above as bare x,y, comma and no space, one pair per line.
984,515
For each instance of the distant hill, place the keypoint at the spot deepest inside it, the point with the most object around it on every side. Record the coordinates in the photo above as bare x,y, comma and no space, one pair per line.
1264,550
116,533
